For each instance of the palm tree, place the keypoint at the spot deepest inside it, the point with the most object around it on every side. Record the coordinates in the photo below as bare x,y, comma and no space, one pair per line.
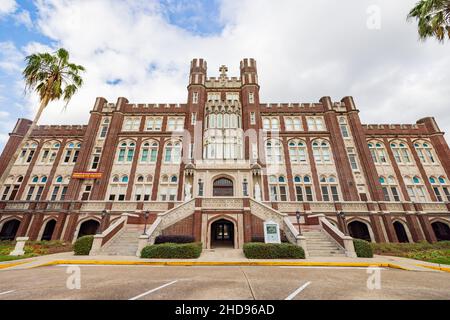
433,18
53,77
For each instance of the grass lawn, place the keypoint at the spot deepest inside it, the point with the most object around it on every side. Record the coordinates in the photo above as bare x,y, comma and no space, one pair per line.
437,252
33,249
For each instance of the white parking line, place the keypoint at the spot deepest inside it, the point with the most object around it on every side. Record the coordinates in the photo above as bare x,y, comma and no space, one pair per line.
319,267
6,292
296,292
153,290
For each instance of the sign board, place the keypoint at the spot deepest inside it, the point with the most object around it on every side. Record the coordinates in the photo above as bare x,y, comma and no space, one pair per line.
271,232
86,175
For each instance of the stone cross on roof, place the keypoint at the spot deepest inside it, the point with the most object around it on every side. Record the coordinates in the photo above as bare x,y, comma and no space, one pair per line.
223,71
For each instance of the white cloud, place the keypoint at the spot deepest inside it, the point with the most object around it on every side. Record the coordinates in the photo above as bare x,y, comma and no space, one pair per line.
304,50
7,7
10,57
23,17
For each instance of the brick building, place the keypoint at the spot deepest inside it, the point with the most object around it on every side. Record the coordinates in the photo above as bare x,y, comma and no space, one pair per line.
220,165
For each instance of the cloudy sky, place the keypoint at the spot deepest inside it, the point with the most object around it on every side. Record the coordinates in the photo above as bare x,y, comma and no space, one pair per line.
141,49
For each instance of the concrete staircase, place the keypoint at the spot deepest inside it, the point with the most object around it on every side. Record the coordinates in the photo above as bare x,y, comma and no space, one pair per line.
320,245
126,243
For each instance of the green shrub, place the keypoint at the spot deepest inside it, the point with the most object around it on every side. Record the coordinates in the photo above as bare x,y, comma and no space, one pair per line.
173,251
83,245
256,250
363,248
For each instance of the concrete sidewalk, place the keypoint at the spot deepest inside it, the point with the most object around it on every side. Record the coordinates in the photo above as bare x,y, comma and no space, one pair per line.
226,257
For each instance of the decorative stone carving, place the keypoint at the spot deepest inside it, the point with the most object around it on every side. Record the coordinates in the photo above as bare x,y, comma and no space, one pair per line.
187,192
257,192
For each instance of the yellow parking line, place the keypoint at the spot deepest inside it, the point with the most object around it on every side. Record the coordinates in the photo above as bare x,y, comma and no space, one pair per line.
13,264
434,267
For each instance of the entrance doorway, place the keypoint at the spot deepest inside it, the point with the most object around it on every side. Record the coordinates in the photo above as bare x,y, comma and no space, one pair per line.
359,230
441,230
9,230
222,234
223,187
88,228
401,232
48,230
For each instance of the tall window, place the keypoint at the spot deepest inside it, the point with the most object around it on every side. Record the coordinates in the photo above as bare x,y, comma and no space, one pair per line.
274,151
104,128
11,187
297,151
440,188
172,152
315,123
401,152
378,152
271,124
49,152
344,127
416,190
303,188
278,188
126,151
293,123
251,98
131,124
390,190
27,153
353,159
195,97
175,124
321,151
329,188
59,188
35,188
252,118
143,187
223,121
72,152
149,152
118,188
168,188
153,124
425,152
96,158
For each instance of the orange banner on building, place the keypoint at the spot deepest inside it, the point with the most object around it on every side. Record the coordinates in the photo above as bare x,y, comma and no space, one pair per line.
86,175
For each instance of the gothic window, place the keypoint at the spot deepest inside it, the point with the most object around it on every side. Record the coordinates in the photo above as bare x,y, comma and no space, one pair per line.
329,188
401,152
126,151
352,158
118,188
153,124
168,188
297,151
315,123
104,128
293,123
35,188
344,127
143,187
425,152
172,152
96,158
49,152
321,151
415,188
27,152
271,124
274,151
175,124
377,152
11,187
303,188
390,189
131,124
71,153
60,187
440,188
278,188
149,152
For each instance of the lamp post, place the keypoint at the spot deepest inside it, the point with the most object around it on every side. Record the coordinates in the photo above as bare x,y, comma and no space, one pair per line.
344,226
298,215
146,214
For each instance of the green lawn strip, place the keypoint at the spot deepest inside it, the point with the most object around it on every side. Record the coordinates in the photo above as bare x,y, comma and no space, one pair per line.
33,249
431,252
12,258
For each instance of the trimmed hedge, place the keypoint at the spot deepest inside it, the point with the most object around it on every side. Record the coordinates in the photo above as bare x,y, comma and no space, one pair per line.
173,251
363,248
256,250
174,239
83,245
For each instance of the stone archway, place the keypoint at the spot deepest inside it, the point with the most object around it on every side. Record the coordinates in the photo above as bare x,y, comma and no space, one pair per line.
359,230
9,229
222,233
48,230
88,227
441,230
223,187
400,231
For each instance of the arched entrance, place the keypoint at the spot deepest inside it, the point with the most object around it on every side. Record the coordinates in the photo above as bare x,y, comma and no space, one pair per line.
359,230
441,230
223,187
400,231
222,234
48,230
88,227
9,229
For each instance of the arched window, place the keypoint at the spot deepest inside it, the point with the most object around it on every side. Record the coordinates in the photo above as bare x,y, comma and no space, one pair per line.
35,188
440,188
277,188
49,152
321,151
27,152
118,188
401,152
143,187
389,187
223,187
297,151
329,188
274,151
104,128
172,152
416,190
168,188
303,188
425,152
271,124
71,153
149,152
59,188
378,152
343,126
315,123
11,187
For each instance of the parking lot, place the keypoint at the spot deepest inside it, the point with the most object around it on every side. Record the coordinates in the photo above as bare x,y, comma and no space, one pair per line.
220,283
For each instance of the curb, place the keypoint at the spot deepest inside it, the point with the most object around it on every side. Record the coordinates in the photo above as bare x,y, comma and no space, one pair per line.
434,267
9,265
222,263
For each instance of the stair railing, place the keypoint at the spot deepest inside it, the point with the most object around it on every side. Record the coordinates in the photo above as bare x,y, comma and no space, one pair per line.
343,241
